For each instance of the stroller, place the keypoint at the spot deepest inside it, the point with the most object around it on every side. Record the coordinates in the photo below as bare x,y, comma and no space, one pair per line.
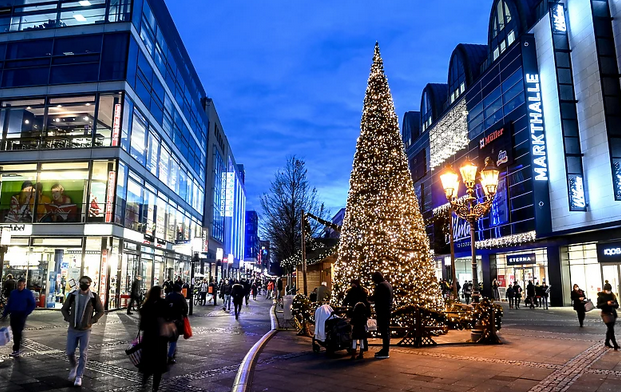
336,334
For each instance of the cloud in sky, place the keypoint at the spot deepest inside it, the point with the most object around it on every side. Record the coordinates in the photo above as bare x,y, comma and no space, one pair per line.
289,77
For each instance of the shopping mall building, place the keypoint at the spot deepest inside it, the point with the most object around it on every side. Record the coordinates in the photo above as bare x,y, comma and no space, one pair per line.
104,161
542,99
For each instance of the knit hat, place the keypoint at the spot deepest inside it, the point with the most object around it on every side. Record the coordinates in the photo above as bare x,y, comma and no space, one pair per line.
607,286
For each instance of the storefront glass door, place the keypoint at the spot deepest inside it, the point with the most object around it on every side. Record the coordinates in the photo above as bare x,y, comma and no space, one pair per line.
610,273
523,275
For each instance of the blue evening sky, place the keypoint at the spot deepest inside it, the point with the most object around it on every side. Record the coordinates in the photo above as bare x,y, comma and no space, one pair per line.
289,76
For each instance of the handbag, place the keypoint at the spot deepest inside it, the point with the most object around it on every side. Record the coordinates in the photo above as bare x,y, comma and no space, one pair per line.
608,318
588,305
167,329
187,328
134,351
5,336
371,325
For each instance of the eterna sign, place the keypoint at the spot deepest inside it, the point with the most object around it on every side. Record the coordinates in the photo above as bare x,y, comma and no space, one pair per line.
537,130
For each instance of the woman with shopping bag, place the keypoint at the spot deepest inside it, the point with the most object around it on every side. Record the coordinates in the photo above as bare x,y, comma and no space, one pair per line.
578,297
607,302
153,323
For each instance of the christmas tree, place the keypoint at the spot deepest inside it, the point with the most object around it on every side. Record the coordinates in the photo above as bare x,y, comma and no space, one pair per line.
383,228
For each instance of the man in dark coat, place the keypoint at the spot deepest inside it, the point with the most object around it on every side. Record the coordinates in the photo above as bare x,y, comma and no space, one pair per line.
246,285
237,292
530,293
177,311
356,294
135,294
8,286
21,304
383,308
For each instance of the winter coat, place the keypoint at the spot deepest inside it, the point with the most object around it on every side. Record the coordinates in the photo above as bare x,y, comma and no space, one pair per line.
86,320
8,287
357,294
154,346
602,303
136,289
383,301
238,292
510,292
530,290
20,303
359,321
578,303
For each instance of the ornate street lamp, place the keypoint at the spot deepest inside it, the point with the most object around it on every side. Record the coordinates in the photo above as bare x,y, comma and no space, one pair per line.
469,208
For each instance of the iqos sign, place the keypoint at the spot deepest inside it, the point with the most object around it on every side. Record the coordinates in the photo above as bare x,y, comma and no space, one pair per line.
609,252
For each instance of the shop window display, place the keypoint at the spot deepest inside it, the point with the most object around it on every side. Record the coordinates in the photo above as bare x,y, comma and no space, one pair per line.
134,205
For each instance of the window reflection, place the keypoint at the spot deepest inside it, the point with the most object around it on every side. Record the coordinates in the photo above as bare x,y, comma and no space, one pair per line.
107,132
23,124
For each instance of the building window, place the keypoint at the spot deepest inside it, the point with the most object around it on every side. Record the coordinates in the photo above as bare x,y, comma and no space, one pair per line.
138,137
70,122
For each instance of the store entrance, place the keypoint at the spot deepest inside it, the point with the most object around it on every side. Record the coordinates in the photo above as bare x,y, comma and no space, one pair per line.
523,275
611,273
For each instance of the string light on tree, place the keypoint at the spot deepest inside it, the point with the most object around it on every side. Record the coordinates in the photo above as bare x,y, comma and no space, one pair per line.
383,229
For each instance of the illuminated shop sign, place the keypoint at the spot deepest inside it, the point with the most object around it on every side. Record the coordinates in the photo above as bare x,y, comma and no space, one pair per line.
609,252
576,192
529,258
116,125
110,195
558,18
537,130
490,138
229,205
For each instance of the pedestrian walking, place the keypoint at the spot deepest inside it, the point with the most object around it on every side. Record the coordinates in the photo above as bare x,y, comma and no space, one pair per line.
607,302
21,304
510,296
382,296
546,293
495,290
517,294
238,292
246,285
154,357
530,294
467,291
134,294
358,322
578,298
538,295
254,289
226,294
213,290
177,311
203,289
8,286
278,287
81,310
270,289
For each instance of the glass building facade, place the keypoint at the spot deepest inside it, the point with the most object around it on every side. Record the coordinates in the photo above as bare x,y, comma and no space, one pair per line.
103,148
535,99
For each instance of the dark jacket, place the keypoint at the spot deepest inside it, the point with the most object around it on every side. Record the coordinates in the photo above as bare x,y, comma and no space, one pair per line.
136,288
20,303
383,300
154,346
177,307
87,318
510,292
578,303
530,290
359,321
602,303
357,294
238,292
8,287
226,289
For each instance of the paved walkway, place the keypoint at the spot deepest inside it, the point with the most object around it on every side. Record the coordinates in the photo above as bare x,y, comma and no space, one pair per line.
543,351
206,362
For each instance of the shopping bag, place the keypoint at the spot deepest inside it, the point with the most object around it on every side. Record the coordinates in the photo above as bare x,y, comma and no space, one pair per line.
134,351
187,328
5,336
588,305
371,324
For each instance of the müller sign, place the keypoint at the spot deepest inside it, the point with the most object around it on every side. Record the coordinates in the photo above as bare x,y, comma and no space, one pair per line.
537,130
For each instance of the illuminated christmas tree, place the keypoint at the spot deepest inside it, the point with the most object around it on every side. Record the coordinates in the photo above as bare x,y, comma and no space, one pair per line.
383,228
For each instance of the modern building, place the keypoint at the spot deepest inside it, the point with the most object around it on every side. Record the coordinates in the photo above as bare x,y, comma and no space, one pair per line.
264,256
104,148
337,219
252,243
225,205
542,99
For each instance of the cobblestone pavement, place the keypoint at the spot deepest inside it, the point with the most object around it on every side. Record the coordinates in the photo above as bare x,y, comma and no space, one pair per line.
542,351
206,362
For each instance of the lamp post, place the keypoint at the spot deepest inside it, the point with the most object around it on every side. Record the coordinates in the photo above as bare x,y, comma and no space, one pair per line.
469,208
